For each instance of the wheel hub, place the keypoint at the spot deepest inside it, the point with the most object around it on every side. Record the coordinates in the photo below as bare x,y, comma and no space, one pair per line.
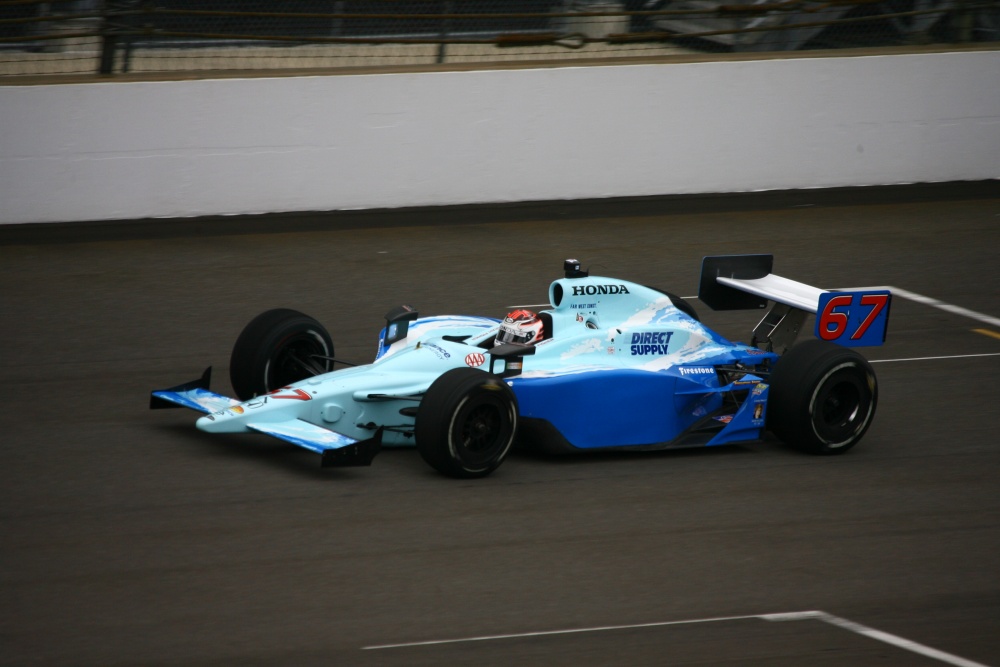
841,405
481,429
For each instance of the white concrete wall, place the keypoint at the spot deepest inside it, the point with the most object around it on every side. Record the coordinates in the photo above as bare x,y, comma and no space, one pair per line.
186,148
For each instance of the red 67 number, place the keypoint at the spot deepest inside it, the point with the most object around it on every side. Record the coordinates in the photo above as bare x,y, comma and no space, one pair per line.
853,319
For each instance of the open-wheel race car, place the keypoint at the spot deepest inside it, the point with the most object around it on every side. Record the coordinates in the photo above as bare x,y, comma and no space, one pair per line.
611,365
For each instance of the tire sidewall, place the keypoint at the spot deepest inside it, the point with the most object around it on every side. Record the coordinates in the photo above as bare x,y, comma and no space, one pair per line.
803,380
847,372
451,401
253,365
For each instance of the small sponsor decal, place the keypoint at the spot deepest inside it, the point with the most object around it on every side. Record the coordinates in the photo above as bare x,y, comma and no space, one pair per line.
237,410
759,389
475,359
758,410
438,350
697,370
725,419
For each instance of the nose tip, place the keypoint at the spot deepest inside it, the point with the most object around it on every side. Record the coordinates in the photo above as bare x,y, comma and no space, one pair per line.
211,423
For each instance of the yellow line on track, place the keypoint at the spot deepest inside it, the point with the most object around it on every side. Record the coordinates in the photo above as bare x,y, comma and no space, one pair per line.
988,332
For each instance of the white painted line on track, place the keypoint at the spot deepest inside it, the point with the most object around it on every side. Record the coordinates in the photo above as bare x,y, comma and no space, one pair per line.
956,356
895,640
547,633
836,621
941,305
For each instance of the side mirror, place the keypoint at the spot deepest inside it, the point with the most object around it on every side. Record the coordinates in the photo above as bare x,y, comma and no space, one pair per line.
397,322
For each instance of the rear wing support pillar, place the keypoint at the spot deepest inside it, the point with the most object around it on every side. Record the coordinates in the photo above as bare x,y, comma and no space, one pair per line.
779,328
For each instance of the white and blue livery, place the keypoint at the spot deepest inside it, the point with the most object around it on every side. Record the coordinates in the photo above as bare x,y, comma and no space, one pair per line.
621,366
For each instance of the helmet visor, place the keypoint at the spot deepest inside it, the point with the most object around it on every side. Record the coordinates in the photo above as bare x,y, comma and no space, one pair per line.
511,334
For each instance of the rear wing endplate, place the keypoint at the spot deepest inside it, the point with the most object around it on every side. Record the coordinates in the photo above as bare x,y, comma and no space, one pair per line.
741,282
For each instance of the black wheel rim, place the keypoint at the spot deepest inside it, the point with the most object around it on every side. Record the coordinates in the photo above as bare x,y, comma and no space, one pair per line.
297,358
841,408
481,431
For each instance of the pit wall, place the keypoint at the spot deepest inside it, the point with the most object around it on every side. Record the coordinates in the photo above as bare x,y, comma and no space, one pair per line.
122,150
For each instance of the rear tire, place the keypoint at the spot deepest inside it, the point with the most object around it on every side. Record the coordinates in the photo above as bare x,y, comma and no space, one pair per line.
277,348
822,397
466,423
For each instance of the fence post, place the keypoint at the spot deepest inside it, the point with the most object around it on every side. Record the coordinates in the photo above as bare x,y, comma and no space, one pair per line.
966,21
109,40
108,44
446,7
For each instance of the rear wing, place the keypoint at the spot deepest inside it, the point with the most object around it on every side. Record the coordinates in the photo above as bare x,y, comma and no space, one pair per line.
742,282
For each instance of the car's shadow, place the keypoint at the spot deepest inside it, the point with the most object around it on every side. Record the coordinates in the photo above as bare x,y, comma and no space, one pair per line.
241,449
584,457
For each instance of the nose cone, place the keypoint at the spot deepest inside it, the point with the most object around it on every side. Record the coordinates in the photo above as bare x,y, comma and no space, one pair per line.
230,420
281,405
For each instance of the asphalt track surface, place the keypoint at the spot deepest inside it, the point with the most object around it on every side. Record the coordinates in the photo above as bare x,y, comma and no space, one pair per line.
128,537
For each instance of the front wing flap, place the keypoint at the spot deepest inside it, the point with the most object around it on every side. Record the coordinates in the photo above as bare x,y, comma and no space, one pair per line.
336,449
194,395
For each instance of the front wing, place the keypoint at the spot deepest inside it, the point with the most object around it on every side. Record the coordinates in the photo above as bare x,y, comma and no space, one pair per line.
336,449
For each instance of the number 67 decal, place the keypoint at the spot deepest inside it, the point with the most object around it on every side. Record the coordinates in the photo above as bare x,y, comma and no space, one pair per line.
853,319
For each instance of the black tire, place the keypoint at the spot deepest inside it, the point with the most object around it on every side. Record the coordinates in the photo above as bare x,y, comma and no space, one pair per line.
822,397
466,423
277,348
679,303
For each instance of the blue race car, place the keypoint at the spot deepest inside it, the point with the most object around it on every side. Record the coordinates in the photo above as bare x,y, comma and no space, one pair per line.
612,365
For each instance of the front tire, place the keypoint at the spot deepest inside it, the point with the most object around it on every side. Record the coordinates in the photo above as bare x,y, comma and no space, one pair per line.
466,423
277,348
822,397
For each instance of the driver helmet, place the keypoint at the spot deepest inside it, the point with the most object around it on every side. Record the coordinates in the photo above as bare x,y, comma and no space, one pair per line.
522,327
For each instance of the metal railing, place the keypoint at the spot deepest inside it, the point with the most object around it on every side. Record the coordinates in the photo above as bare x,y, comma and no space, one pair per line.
115,36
